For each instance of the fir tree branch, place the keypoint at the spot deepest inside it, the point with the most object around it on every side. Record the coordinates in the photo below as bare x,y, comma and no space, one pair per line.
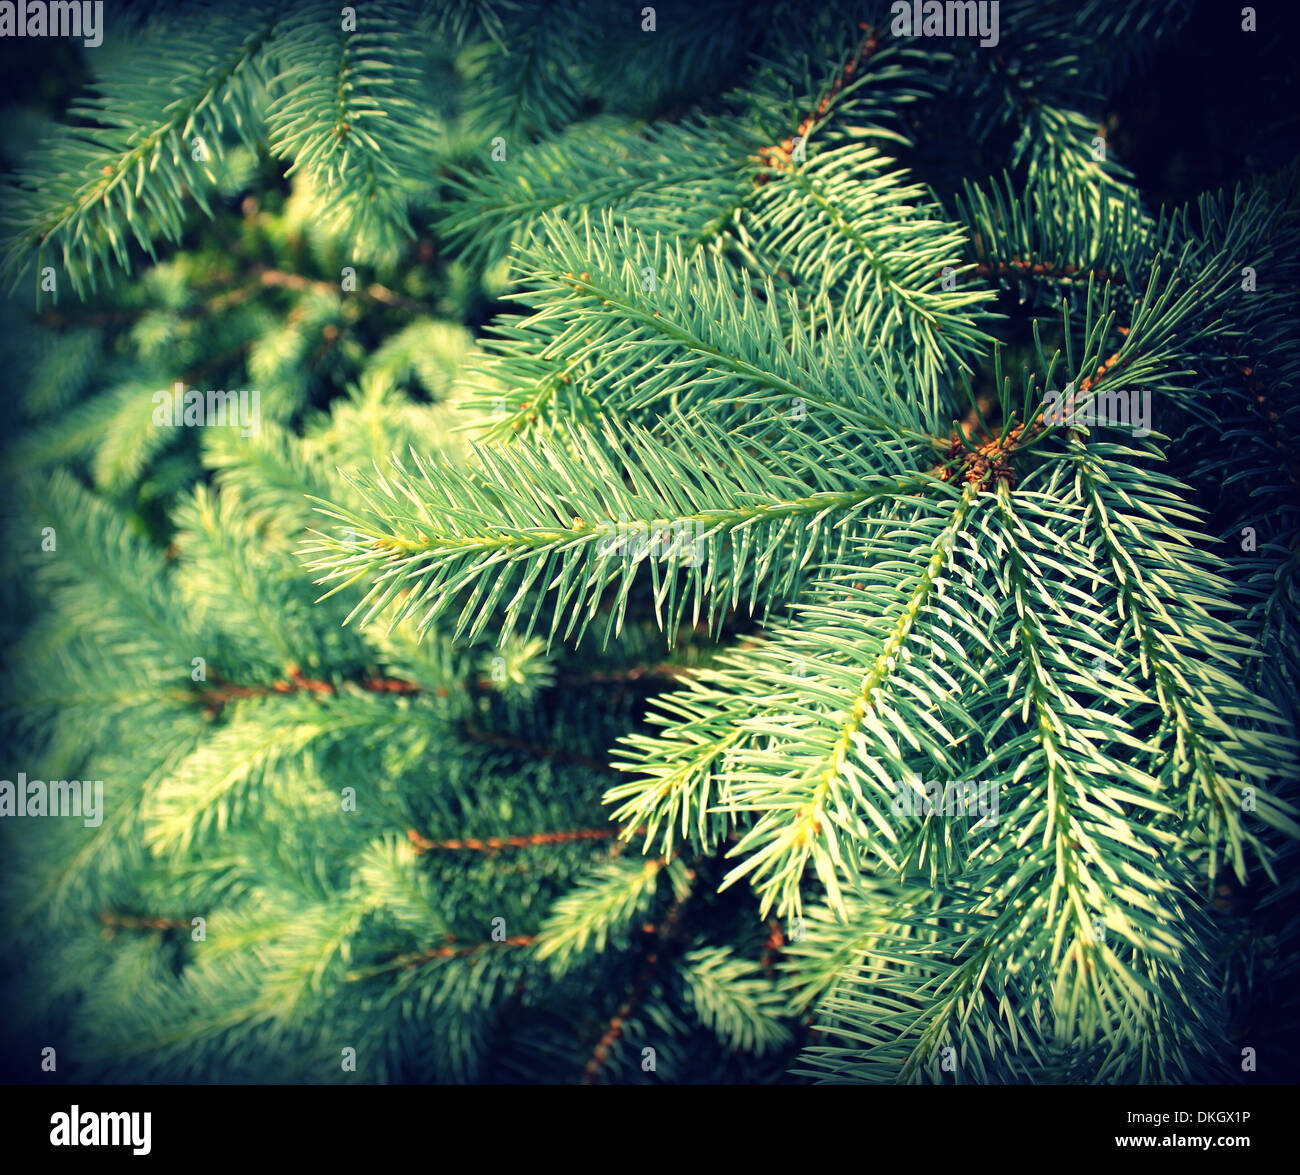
129,174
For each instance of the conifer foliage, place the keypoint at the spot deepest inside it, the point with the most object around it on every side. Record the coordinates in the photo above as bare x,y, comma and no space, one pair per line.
744,548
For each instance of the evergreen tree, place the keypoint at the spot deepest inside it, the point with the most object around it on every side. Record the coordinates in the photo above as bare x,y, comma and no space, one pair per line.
743,548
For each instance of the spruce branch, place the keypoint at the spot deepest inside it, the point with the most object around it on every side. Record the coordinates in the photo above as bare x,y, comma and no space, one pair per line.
130,172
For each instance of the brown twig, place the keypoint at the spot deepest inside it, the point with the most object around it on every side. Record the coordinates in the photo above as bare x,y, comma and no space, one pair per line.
772,948
455,950
218,691
132,922
778,158
658,937
975,458
490,844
